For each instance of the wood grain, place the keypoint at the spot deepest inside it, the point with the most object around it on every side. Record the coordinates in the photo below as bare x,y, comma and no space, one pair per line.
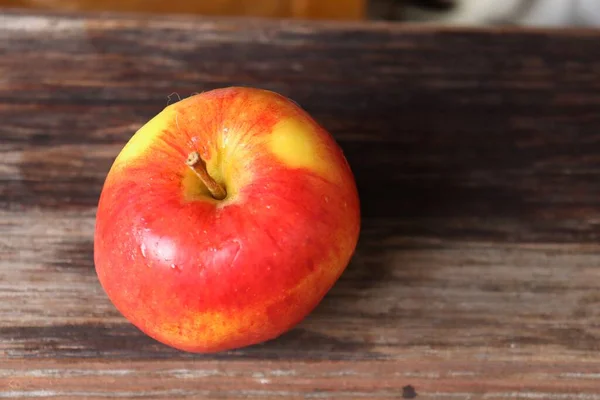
477,156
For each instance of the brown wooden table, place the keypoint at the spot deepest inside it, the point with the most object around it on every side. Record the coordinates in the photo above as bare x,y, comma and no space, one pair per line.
477,155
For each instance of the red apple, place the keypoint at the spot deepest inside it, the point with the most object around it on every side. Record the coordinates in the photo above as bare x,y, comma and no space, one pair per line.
225,220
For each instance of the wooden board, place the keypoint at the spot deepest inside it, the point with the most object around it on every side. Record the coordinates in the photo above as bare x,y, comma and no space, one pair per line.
477,156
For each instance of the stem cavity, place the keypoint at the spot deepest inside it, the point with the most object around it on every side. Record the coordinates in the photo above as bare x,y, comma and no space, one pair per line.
197,164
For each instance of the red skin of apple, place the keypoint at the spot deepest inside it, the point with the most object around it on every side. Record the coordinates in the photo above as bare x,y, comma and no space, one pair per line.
206,275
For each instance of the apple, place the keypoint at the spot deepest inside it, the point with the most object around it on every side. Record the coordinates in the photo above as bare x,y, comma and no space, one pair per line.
225,220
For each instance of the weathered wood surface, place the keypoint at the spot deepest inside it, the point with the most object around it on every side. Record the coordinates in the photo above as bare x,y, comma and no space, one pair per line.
477,155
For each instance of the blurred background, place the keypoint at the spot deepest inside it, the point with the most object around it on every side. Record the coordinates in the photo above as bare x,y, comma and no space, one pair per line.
554,13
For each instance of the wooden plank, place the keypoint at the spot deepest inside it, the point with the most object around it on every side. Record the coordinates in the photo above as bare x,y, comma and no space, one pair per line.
476,155
205,379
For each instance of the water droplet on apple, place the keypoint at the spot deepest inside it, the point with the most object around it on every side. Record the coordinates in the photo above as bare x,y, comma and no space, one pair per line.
326,199
225,130
143,249
175,267
268,207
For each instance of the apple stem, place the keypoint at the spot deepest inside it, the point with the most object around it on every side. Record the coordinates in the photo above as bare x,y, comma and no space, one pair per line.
198,165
